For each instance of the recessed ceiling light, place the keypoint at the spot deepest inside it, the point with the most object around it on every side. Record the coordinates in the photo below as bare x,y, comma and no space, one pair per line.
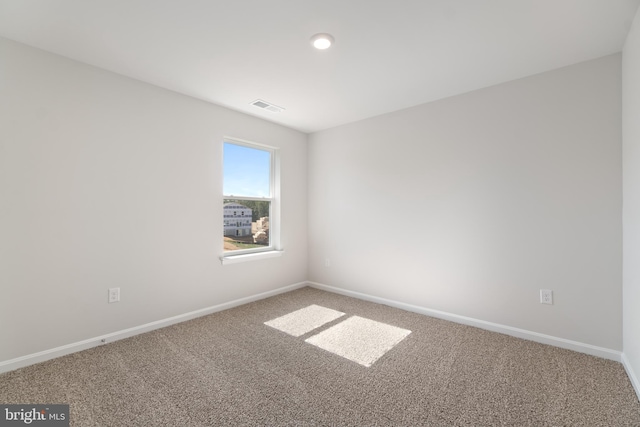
322,41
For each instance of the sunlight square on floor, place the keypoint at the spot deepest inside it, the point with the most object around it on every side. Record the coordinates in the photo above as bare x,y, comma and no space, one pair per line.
360,340
306,319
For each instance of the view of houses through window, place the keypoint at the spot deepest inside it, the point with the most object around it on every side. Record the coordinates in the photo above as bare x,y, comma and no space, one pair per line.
246,224
247,204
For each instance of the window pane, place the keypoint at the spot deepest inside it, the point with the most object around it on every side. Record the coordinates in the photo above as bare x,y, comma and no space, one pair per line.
246,224
247,171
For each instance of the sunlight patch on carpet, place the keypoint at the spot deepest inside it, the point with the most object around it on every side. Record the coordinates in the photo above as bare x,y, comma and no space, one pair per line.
304,320
360,340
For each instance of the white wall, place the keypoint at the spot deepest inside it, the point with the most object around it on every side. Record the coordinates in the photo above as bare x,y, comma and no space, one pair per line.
110,182
106,181
503,191
631,209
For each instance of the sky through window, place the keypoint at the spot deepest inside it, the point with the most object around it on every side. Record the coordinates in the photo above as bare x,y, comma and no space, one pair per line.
246,171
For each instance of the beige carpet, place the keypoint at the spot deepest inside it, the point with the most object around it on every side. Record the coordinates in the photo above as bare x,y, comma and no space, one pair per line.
231,369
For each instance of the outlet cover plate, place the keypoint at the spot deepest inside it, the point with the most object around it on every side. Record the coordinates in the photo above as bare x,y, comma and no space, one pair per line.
546,296
114,295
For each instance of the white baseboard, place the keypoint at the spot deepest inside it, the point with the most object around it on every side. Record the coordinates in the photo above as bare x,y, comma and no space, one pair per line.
631,374
53,353
495,327
30,359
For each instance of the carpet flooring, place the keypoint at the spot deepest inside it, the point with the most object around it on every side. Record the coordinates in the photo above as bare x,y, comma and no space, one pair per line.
230,369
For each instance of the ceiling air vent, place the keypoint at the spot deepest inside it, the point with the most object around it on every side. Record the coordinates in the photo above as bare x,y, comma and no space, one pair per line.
267,106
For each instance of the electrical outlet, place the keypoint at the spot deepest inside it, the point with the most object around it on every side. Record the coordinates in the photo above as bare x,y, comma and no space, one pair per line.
327,262
546,296
114,295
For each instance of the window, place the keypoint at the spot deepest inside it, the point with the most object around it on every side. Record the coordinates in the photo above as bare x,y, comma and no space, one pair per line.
249,191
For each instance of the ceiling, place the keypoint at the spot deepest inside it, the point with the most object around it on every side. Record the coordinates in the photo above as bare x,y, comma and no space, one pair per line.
388,55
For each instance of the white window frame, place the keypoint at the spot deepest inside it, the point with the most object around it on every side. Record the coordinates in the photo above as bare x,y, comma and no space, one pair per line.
274,249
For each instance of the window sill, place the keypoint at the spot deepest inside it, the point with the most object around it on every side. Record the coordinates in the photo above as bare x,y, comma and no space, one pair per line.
234,259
